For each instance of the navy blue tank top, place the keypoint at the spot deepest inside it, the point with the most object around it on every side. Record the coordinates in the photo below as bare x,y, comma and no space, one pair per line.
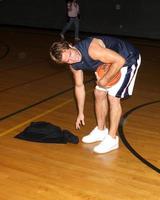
125,49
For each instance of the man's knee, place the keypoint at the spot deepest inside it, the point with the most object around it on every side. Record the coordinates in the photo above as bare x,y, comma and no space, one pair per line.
113,100
99,95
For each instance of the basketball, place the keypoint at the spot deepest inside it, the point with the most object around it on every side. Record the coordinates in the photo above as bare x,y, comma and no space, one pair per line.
103,69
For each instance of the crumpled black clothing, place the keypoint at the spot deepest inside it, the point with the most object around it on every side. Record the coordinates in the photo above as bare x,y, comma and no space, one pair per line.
46,132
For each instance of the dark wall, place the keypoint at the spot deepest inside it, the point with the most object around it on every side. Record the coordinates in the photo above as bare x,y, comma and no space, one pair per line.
138,18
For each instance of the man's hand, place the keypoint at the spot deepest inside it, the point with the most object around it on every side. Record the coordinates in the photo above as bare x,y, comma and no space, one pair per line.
101,82
80,121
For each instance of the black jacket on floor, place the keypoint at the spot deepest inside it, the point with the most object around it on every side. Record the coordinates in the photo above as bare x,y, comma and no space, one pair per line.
47,133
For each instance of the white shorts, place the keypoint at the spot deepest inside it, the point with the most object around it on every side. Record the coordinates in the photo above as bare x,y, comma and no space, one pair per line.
124,87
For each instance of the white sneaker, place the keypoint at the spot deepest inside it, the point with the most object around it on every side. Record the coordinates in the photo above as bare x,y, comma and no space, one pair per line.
108,144
62,36
95,135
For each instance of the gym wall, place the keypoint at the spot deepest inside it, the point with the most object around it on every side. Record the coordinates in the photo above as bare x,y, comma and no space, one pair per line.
138,18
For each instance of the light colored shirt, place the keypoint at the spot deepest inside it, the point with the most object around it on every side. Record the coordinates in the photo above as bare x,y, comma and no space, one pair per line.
73,9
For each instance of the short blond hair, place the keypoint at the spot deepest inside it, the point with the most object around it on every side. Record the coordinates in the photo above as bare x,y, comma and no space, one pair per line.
57,49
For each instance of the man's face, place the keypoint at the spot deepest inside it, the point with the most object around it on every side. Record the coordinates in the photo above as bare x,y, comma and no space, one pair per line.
71,56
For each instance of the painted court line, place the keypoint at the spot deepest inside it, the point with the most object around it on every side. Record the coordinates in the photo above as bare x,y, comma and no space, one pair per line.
39,116
36,117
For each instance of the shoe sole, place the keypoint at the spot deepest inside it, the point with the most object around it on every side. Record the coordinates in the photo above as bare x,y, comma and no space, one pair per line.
108,150
92,142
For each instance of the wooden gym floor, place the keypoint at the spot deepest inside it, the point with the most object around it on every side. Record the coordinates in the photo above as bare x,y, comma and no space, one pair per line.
33,88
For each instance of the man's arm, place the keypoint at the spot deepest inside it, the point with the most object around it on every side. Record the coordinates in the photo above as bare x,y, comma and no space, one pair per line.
98,51
80,95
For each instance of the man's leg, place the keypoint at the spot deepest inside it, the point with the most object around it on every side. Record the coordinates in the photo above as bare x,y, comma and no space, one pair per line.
111,141
66,28
114,114
76,26
101,108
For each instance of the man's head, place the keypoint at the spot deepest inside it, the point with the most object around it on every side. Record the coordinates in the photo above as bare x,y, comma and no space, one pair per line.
63,52
57,49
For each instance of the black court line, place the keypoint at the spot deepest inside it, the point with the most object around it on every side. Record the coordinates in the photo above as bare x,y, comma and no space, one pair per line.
126,143
42,101
31,81
23,66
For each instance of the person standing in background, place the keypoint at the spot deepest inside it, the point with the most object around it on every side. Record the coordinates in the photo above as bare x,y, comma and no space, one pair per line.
73,13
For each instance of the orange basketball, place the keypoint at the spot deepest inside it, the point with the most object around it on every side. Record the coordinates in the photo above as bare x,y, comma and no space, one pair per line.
103,69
